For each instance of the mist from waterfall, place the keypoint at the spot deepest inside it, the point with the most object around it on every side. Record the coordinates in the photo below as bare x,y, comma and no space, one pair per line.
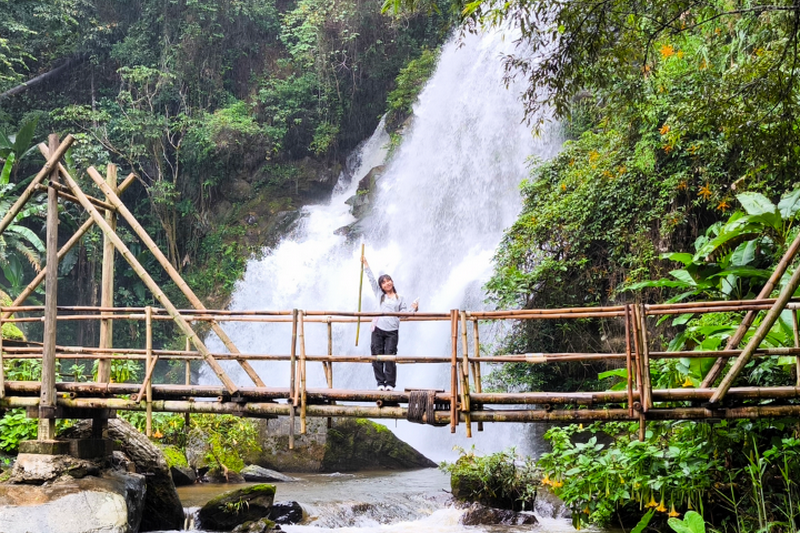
440,210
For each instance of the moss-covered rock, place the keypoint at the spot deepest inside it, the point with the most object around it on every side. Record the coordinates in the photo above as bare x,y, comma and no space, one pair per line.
236,507
360,444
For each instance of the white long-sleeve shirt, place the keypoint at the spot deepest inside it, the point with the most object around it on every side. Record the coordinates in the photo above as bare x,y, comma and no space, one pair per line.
387,305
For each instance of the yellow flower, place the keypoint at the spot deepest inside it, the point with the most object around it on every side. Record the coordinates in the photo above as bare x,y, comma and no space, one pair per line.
594,155
546,480
687,382
673,512
683,185
667,51
705,191
664,129
563,187
680,54
703,65
557,484
652,502
723,206
661,508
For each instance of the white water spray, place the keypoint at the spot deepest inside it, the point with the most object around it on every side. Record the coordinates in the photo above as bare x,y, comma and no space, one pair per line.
441,207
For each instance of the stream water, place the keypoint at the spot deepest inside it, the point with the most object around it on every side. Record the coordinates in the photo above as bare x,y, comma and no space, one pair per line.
380,502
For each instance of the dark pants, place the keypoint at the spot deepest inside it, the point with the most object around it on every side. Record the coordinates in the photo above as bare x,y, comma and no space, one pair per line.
384,343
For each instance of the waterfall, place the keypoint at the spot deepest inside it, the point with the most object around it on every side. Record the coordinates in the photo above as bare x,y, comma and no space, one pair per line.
440,209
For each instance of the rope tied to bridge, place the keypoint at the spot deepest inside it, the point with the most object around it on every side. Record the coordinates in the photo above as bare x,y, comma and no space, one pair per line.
422,407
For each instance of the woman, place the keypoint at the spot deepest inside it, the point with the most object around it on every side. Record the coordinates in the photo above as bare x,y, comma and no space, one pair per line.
385,328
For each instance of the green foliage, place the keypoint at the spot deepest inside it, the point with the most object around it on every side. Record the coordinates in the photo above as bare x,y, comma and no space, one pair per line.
15,427
692,523
409,84
174,456
498,478
229,437
122,370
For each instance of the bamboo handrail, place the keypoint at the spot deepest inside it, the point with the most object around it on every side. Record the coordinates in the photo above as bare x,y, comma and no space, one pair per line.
465,399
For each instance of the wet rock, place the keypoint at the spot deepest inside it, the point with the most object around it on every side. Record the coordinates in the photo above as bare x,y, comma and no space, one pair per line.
36,469
482,515
287,513
236,507
163,509
183,475
220,476
260,474
360,444
236,190
112,503
265,525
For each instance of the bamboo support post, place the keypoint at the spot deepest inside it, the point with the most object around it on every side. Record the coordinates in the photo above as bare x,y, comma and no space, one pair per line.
453,370
2,363
188,379
628,359
796,335
170,269
328,366
476,368
465,399
183,325
54,155
47,395
647,388
766,290
107,283
303,383
772,315
151,365
292,378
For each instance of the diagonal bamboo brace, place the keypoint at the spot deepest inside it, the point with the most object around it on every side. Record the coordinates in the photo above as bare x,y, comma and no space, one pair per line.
46,170
737,337
152,285
758,336
176,277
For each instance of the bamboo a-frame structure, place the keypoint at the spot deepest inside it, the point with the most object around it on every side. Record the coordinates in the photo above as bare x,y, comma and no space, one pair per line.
111,208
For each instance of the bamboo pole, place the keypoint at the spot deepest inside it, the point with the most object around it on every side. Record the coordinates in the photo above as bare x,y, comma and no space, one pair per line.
465,400
151,365
303,383
453,370
2,363
107,284
628,359
360,285
292,378
737,337
758,336
188,379
171,271
47,396
47,170
75,239
152,285
647,387
476,370
328,366
61,192
796,335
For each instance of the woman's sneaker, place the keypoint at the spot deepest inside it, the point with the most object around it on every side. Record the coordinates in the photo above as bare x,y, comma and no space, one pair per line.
389,387
381,387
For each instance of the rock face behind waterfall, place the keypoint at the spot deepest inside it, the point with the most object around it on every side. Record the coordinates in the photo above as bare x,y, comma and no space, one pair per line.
349,445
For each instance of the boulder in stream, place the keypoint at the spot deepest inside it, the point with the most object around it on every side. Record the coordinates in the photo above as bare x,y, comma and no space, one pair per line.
481,515
235,507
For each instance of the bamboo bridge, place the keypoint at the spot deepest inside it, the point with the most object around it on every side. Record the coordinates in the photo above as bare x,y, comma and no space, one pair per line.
458,400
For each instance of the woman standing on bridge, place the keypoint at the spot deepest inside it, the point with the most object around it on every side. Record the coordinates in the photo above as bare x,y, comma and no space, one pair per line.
385,329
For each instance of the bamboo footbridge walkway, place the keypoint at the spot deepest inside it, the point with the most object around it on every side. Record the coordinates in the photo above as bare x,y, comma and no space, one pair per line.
458,400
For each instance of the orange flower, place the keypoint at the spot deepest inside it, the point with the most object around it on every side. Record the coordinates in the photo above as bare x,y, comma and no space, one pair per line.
622,170
683,185
563,187
664,129
594,155
652,502
692,149
673,512
661,508
158,434
723,206
667,51
705,191
668,148
703,65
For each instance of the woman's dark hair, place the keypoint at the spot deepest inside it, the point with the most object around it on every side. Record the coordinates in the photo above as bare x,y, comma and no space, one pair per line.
381,279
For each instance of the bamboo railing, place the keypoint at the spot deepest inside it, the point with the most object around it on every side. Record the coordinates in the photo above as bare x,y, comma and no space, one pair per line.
463,396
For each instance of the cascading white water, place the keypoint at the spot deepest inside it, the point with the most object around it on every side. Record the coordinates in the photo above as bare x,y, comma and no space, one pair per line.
441,207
